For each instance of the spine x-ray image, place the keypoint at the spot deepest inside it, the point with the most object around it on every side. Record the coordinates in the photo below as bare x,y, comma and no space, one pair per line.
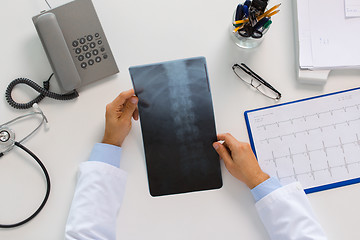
178,126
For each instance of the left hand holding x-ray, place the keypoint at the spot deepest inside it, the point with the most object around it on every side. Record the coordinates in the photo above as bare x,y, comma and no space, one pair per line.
118,117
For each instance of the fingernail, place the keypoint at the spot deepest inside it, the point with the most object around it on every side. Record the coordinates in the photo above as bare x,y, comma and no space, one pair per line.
215,146
134,100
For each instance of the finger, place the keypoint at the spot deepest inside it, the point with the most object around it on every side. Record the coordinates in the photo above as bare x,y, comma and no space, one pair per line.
225,144
136,114
130,107
230,141
223,153
122,97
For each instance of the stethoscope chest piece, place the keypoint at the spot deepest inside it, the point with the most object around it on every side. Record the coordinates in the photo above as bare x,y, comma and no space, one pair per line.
7,137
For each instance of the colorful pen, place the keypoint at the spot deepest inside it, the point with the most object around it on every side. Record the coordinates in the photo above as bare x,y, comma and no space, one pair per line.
239,12
246,10
272,9
261,23
241,21
273,13
265,14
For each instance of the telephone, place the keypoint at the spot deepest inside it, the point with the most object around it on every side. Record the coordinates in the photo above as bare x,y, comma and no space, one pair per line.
75,44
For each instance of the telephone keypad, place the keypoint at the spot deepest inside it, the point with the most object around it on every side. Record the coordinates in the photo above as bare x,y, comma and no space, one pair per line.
88,48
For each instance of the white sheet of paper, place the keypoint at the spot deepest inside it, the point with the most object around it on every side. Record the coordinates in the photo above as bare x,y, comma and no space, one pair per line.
315,142
335,38
352,8
304,32
327,38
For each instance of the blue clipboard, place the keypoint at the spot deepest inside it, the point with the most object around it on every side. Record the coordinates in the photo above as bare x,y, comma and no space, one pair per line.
310,99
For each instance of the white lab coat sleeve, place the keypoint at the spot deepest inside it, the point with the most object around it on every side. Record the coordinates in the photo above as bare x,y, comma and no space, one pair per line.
97,199
287,215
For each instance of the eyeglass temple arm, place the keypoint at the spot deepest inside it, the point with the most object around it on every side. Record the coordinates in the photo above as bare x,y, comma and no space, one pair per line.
260,79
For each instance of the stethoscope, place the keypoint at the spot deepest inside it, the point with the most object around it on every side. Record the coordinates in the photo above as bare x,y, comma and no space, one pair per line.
8,142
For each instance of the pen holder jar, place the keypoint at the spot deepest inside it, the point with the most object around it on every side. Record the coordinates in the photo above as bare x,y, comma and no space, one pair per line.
245,42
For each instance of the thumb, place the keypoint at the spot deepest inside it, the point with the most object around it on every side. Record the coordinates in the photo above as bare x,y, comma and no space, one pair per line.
223,153
130,107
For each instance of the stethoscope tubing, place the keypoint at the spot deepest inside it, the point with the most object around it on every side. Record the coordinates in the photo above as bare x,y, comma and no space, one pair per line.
42,166
47,194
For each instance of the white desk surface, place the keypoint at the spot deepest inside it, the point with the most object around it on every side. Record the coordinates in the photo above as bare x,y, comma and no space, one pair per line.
141,32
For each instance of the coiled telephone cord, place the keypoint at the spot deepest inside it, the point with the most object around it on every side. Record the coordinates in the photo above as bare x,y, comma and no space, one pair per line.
44,92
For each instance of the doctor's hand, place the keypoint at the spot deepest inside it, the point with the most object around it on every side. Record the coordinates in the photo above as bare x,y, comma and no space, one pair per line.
118,117
240,160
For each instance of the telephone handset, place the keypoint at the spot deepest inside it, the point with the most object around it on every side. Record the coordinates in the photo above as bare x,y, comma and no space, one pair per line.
75,44
57,51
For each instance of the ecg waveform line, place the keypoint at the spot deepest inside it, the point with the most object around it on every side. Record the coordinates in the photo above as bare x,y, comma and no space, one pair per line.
308,152
312,172
291,120
321,128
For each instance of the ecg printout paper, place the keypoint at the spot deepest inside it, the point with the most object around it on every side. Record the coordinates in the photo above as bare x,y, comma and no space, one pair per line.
314,141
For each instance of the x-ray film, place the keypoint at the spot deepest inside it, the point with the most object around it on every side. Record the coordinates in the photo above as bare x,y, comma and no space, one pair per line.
178,126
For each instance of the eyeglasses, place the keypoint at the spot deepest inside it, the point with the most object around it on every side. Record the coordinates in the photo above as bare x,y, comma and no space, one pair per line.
254,80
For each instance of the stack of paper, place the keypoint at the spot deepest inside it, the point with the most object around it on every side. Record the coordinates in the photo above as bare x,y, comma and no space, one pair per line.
352,8
328,32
